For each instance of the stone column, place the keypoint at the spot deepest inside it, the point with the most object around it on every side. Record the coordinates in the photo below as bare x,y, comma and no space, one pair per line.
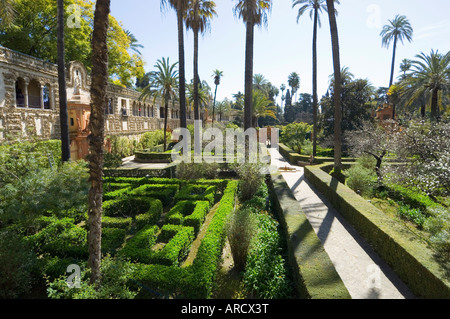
41,95
26,82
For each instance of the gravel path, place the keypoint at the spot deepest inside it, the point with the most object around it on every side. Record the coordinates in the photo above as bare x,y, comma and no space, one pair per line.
363,272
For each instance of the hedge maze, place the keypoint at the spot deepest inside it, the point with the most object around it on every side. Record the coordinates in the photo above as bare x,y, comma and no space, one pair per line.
152,222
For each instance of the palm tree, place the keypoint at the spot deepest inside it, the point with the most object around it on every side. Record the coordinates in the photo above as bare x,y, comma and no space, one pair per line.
204,96
282,88
134,45
337,87
294,82
217,75
405,66
163,85
99,80
180,7
63,115
262,106
315,8
252,12
198,18
430,76
397,29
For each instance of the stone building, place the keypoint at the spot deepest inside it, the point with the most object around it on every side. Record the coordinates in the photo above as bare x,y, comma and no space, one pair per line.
29,104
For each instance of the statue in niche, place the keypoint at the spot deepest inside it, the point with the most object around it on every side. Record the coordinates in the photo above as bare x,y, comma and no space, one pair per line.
77,83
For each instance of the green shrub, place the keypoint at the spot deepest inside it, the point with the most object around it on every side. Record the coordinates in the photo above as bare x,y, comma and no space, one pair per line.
17,262
115,283
266,274
112,239
413,214
179,211
153,157
19,159
204,268
438,224
132,206
190,171
360,179
240,230
176,249
33,195
197,192
116,222
54,267
61,238
119,193
163,192
250,179
138,248
159,281
197,217
413,197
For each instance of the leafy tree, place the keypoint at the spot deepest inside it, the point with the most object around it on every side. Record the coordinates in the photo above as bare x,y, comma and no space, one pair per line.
398,29
355,104
198,18
374,140
294,135
425,148
252,12
99,80
163,84
34,30
180,6
7,12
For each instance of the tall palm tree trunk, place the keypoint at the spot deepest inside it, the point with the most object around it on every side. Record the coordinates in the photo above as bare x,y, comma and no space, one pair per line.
391,81
166,110
315,99
63,115
181,71
96,139
196,78
337,84
248,112
434,104
214,105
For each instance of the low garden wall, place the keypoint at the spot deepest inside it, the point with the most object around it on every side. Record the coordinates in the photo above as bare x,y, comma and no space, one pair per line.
412,260
293,158
314,274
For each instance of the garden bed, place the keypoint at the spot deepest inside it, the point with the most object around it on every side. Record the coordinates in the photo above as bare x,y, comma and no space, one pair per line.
146,223
412,259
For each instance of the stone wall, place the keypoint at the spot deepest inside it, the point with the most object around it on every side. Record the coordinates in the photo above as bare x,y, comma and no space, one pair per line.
23,113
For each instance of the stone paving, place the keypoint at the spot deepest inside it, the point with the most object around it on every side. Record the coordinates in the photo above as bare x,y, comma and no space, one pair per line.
363,272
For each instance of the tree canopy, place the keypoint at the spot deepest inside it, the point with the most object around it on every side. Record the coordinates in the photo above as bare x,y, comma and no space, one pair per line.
34,29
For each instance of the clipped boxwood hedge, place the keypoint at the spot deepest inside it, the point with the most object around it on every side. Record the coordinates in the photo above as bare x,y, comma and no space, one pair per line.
164,192
293,157
197,192
412,260
313,272
153,157
132,206
194,281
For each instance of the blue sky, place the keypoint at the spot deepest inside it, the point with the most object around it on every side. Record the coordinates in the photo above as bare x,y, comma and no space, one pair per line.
285,46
